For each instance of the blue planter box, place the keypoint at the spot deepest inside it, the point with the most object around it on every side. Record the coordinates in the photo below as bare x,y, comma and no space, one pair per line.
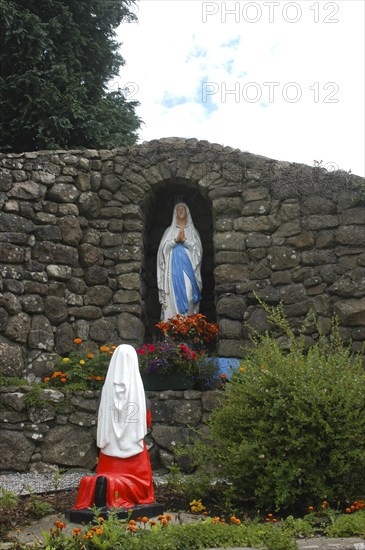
227,364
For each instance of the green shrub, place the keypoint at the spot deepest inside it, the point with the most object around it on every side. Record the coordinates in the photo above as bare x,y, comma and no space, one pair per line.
201,534
352,525
6,381
38,508
8,499
290,430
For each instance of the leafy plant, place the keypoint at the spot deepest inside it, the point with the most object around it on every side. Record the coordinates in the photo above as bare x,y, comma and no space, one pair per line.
85,366
8,499
34,399
57,59
348,526
169,534
37,508
6,381
290,428
166,357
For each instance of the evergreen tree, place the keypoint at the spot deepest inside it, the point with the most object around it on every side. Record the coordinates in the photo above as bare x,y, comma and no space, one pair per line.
57,57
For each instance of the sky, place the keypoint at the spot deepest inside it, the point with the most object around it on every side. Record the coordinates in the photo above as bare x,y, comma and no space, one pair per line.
275,78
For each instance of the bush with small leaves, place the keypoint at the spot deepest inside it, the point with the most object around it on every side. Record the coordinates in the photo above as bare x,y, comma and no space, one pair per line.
290,428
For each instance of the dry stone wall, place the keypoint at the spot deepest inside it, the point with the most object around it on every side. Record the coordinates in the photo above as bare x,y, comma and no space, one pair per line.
79,232
58,431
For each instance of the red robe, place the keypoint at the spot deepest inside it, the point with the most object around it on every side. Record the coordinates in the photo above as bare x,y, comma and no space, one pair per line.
129,480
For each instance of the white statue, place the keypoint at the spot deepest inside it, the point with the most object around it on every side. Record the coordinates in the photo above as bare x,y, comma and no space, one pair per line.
124,465
179,260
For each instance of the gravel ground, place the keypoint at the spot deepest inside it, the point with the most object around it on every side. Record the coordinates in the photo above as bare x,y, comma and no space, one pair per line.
33,483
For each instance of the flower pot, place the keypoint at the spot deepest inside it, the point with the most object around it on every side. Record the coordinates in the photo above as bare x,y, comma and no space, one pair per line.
174,381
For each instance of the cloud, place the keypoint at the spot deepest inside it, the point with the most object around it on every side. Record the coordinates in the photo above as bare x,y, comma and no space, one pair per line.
287,90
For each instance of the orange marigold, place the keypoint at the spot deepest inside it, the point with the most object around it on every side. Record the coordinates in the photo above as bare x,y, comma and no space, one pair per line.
144,519
77,341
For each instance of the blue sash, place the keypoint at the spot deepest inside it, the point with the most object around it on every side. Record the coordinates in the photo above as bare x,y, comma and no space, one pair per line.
181,264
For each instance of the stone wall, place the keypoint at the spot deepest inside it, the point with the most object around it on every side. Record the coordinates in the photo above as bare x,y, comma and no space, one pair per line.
79,231
52,431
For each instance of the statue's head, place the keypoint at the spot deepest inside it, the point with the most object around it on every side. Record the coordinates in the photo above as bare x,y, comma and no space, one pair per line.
181,211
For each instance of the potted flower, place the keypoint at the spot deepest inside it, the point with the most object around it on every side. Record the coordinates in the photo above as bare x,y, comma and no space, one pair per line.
193,330
172,365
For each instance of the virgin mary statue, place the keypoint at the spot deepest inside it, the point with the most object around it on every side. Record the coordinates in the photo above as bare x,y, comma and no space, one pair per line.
179,260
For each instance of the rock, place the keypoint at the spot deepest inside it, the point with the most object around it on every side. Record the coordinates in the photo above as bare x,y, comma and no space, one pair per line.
230,273
69,446
41,333
103,330
351,284
130,327
90,255
230,329
15,450
351,235
10,253
14,401
283,258
351,312
11,359
18,327
62,192
129,281
55,309
231,306
70,230
98,296
89,203
168,437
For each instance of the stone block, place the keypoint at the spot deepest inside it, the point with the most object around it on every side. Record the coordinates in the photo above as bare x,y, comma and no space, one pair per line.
168,437
351,235
303,240
15,450
69,446
351,312
227,273
283,258
266,224
130,327
231,306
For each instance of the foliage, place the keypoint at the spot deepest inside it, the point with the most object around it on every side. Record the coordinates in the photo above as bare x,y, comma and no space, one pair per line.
6,381
190,329
348,526
167,534
166,357
38,508
56,61
85,366
8,499
290,429
33,399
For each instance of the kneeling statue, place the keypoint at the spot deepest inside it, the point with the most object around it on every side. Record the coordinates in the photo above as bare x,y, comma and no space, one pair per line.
123,480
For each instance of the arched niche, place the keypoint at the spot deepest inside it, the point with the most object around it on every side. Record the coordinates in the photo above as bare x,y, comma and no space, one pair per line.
157,210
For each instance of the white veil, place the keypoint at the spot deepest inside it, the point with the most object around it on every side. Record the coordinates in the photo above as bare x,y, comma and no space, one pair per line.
122,423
